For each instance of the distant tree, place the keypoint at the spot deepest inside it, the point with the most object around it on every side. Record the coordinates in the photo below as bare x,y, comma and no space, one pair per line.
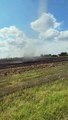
54,55
46,55
63,54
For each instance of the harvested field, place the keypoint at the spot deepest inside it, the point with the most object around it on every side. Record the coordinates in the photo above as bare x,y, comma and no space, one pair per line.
35,92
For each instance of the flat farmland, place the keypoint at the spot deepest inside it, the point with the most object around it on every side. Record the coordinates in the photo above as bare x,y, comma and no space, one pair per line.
35,92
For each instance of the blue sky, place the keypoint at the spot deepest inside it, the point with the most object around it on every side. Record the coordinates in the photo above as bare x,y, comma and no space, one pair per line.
18,12
22,12
59,8
21,16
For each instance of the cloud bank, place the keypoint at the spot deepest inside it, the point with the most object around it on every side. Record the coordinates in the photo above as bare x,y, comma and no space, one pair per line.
51,39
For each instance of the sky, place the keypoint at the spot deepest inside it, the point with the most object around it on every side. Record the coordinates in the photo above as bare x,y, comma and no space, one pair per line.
33,27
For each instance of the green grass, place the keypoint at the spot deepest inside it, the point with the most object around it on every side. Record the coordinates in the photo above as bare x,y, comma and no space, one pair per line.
48,101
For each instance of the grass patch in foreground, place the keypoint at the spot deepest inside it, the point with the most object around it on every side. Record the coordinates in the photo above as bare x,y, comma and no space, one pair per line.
47,102
44,102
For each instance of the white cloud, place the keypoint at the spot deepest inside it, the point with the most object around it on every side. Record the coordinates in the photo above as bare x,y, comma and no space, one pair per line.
50,34
48,28
15,43
63,35
45,22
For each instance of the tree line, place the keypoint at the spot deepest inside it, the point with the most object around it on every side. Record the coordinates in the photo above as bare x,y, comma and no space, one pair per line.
54,55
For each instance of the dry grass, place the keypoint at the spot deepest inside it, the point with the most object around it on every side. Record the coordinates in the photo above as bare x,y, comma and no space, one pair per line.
39,92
